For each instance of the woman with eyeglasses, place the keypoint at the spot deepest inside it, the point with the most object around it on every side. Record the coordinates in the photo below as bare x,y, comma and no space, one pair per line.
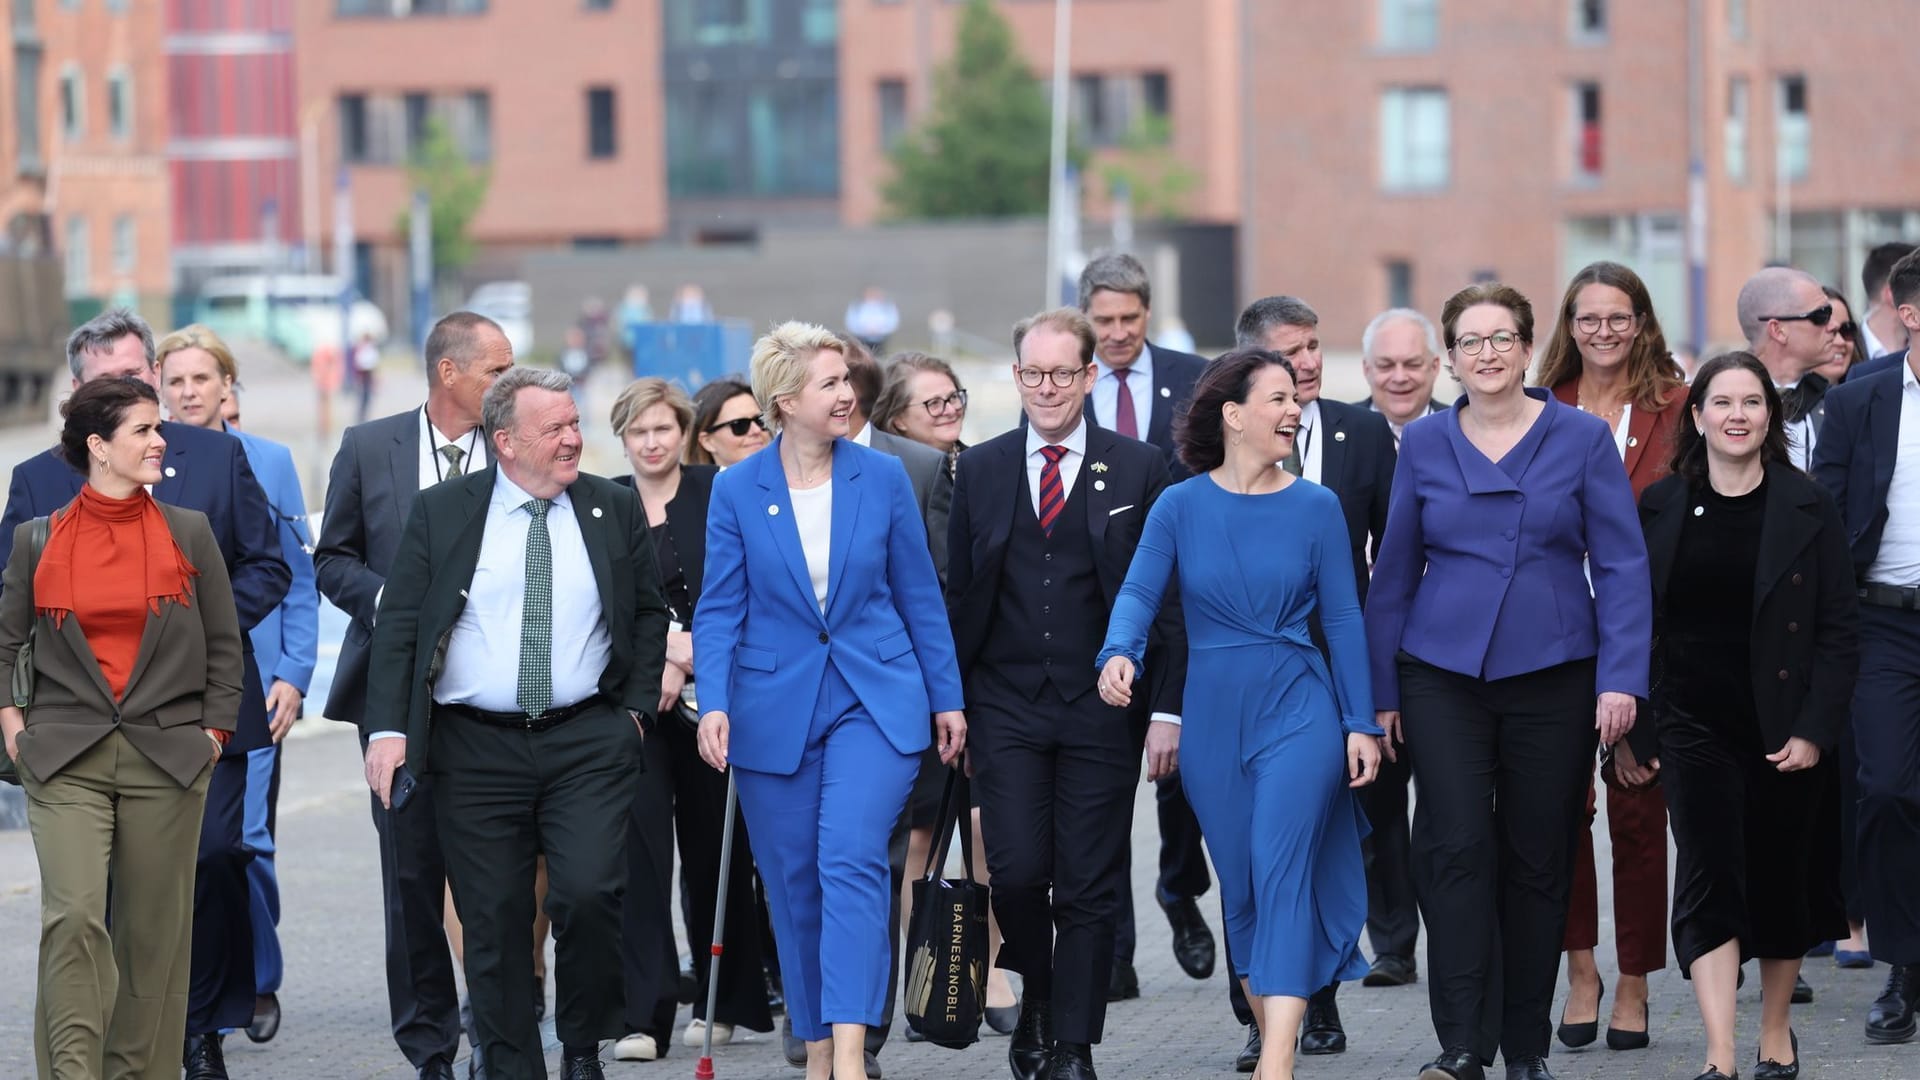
1609,357
924,401
1498,667
727,424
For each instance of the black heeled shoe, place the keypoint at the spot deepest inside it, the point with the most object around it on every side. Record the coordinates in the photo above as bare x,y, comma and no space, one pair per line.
1618,1039
1575,1036
1769,1069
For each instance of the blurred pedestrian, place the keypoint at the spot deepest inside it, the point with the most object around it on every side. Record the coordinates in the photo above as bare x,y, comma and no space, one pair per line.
873,318
636,312
727,425
366,365
690,306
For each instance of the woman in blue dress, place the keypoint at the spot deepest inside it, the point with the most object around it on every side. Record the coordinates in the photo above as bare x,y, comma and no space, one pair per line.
1278,738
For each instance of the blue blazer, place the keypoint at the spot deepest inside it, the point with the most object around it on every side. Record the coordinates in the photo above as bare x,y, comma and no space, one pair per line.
1481,571
1853,458
760,642
286,643
1884,362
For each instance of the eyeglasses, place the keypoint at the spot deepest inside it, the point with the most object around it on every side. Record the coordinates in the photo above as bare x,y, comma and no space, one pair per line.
739,428
1502,341
1062,377
1818,316
954,402
1619,322
1848,329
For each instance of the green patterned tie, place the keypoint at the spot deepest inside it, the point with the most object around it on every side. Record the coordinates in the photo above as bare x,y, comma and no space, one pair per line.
536,616
454,456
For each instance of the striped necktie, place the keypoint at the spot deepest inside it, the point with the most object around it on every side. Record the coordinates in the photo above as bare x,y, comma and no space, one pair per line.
1053,493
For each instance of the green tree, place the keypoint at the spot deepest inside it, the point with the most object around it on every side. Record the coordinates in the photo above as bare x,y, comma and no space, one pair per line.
1154,176
455,188
982,149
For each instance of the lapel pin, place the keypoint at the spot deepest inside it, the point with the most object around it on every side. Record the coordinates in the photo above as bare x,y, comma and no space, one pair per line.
170,471
1631,441
1339,436
1166,392
774,510
1099,485
1698,510
596,512
1098,466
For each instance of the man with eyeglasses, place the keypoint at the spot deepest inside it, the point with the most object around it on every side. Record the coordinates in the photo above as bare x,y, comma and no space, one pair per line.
1045,522
1789,326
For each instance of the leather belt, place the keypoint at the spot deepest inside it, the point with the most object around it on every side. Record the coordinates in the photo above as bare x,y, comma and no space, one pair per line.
520,721
1903,597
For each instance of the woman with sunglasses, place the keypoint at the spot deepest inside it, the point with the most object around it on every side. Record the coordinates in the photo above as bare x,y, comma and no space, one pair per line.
1608,357
924,401
727,424
1498,665
1849,342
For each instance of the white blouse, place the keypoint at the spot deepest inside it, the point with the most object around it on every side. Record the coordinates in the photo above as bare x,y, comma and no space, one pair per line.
813,516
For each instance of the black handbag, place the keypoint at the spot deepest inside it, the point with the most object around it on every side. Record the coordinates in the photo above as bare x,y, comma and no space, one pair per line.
947,934
23,659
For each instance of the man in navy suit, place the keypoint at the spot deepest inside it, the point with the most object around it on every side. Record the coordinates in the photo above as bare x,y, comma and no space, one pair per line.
1881,324
1138,390
205,471
1903,290
1868,455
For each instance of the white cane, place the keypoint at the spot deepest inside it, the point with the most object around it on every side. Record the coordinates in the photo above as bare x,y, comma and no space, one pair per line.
704,1070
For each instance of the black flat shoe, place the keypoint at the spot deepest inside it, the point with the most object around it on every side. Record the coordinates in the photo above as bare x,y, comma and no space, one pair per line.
1249,1058
1620,1039
1528,1068
1769,1069
1713,1073
1321,1031
1391,971
1577,1035
1124,983
791,1046
1454,1065
1802,991
266,1019
1001,1018
871,1063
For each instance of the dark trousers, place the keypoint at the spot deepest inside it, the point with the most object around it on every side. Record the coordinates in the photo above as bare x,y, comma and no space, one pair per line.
1637,827
423,1004
220,993
1886,733
1054,780
1183,861
699,804
263,883
649,958
1393,914
1502,767
505,797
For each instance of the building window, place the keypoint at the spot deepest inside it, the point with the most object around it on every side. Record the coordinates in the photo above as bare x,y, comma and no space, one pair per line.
355,147
602,135
1734,135
1793,135
117,6
1589,20
1415,139
78,257
892,97
1409,25
1399,283
471,118
418,110
1586,131
26,104
1106,109
120,104
1737,19
126,250
753,139
389,129
406,9
73,103
599,5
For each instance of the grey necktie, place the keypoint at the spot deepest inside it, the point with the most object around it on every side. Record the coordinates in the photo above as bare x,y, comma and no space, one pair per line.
536,615
454,456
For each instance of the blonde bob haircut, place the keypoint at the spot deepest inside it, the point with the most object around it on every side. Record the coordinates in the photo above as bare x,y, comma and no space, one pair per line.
780,359
643,394
197,336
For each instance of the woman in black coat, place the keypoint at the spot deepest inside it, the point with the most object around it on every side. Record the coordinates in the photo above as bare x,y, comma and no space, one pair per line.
1755,651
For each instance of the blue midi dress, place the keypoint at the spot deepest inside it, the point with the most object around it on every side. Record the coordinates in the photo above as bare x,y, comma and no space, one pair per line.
1263,744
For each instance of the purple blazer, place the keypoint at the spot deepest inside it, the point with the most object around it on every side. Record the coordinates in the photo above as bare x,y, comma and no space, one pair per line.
1481,571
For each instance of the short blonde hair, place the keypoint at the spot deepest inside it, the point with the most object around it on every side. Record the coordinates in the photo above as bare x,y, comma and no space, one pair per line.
197,336
780,359
643,394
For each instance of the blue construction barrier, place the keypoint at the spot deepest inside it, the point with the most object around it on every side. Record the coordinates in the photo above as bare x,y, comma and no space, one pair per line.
692,354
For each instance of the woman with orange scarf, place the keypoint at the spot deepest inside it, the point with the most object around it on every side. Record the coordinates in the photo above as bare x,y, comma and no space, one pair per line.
136,673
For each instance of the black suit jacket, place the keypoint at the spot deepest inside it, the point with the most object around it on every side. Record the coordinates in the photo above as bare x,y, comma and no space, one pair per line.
1853,458
1174,374
1805,648
427,589
1356,463
988,482
1883,362
687,524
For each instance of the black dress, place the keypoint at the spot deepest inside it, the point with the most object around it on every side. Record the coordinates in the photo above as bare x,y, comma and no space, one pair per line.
1753,851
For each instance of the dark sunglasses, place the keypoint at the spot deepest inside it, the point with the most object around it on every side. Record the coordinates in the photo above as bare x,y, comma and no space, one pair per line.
1848,329
739,428
1818,316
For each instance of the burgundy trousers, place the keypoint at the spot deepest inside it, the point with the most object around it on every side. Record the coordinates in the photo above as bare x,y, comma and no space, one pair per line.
1637,823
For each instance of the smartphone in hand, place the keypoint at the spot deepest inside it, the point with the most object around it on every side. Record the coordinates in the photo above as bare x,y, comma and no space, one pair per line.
404,785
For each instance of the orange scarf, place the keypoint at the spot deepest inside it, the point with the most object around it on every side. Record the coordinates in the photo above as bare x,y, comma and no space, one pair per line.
123,546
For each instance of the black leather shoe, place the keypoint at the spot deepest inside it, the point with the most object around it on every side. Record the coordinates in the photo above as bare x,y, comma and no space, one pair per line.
1391,971
1032,1044
1769,1069
1249,1058
437,1069
791,1047
1530,1067
1802,991
581,1067
1891,1020
266,1018
1320,1032
1578,1035
202,1058
1454,1064
1124,983
1070,1061
1192,941
689,986
1622,1039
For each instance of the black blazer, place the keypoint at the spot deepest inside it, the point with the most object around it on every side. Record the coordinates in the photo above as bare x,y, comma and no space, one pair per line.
1854,455
427,589
1883,362
1356,463
987,484
1805,648
687,524
1174,374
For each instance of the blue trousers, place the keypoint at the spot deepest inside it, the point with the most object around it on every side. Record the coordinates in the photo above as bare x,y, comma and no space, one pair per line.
820,838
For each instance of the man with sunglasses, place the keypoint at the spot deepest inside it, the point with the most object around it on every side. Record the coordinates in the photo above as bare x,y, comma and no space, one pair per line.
1790,327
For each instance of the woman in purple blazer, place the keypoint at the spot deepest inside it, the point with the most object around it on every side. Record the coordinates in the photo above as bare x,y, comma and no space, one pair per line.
1497,665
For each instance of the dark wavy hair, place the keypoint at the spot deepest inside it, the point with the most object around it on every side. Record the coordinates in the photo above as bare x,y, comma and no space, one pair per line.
706,405
1651,380
98,408
1200,432
1859,337
1690,446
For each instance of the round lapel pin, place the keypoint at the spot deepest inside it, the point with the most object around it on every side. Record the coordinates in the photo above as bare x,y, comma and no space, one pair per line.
1165,392
1631,441
170,471
1099,485
774,510
1339,436
596,512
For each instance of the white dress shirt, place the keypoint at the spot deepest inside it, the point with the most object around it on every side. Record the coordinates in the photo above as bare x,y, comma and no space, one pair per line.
863,437
1875,347
1307,442
433,464
1429,410
1898,561
483,656
813,516
1106,392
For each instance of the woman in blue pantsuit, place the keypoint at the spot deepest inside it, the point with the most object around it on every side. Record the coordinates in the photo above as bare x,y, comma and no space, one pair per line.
1273,740
821,648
